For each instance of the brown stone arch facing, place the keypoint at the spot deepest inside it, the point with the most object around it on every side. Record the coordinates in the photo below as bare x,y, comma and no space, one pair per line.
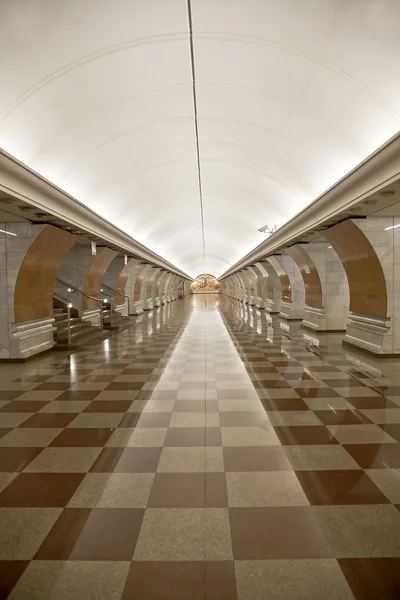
367,285
286,289
309,273
94,277
33,294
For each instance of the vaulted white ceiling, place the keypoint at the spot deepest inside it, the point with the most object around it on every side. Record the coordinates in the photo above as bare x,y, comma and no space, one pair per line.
97,96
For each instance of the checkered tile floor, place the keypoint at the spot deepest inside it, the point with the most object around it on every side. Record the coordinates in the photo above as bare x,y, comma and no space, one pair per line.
198,455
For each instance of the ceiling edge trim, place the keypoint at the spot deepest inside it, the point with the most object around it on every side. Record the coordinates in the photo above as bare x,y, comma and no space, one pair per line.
18,180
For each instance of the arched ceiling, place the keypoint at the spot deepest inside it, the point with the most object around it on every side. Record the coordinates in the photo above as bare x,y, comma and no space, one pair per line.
97,96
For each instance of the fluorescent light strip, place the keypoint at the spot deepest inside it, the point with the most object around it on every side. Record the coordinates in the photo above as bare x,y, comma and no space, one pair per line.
8,232
392,227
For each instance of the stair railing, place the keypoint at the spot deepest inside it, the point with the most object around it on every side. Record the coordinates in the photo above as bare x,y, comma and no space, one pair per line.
68,306
70,286
120,294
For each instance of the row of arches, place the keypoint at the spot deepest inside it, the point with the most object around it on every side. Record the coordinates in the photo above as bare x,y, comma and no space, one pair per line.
44,262
346,281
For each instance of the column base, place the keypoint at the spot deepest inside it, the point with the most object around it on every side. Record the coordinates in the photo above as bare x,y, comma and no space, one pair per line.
31,338
369,334
91,316
289,312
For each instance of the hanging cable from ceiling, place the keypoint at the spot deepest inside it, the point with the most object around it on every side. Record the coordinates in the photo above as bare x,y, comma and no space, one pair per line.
196,125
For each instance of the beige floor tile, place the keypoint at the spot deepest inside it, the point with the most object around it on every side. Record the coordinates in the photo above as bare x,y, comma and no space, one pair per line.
151,437
304,579
269,488
64,460
113,490
292,417
361,531
382,415
387,480
8,419
23,530
249,436
360,434
30,437
191,460
325,457
185,534
72,580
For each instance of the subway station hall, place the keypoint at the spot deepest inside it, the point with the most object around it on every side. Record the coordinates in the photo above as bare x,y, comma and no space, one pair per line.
199,300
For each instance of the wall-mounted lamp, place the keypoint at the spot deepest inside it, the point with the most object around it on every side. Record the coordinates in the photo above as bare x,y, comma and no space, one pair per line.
69,305
105,300
330,247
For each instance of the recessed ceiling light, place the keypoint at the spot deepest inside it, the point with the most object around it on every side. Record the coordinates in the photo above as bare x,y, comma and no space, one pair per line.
387,193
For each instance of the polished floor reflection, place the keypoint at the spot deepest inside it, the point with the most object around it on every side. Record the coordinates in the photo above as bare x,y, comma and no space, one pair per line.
207,452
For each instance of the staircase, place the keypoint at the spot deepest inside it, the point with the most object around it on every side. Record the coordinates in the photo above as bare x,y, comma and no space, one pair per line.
118,321
81,333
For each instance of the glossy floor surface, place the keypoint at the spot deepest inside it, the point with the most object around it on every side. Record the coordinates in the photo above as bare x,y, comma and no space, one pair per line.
204,453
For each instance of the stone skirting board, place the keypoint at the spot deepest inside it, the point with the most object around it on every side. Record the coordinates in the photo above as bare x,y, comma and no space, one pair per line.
30,338
369,333
288,311
271,307
136,308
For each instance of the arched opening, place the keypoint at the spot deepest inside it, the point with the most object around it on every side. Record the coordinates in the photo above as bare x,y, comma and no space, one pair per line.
205,284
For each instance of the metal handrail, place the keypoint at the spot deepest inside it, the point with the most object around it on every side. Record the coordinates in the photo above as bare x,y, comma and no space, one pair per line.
75,289
120,294
69,306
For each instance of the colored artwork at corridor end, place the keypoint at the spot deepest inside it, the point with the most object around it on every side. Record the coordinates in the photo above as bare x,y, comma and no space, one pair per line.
205,284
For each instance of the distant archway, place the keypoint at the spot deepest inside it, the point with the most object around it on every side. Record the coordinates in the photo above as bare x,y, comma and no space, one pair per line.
205,284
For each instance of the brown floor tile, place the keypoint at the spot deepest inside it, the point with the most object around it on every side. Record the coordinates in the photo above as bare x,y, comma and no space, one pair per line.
10,572
340,487
11,394
4,431
104,406
372,578
125,385
342,417
49,420
57,386
365,402
316,392
279,383
16,459
93,534
284,404
257,458
79,395
220,580
304,434
392,429
243,419
188,490
166,581
278,532
375,456
47,490
81,437
196,405
19,406
193,436
148,419
127,460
